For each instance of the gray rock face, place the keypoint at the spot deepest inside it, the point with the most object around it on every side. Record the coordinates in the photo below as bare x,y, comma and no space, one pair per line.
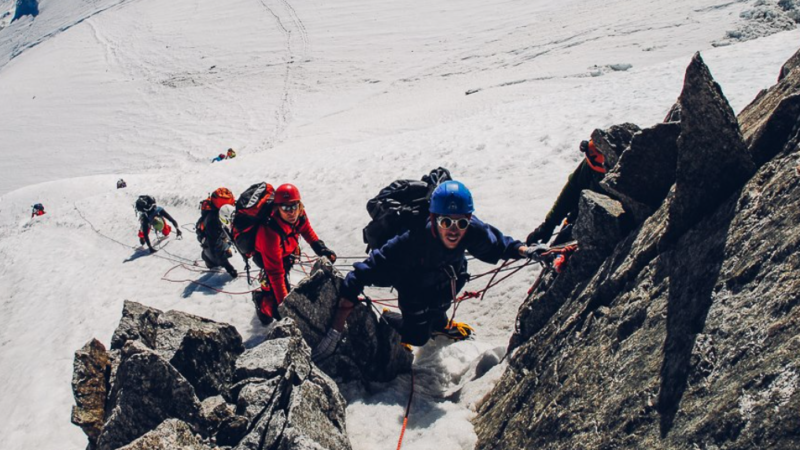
772,119
790,65
676,341
645,171
290,403
172,434
138,322
614,140
204,351
90,378
600,222
147,391
369,351
712,157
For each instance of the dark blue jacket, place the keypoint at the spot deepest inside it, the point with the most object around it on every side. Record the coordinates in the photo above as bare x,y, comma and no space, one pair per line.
418,261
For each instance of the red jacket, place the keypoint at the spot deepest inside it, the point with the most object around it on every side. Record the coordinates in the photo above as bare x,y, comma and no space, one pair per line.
274,246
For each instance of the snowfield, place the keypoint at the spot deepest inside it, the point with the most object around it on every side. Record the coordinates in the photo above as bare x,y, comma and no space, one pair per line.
339,98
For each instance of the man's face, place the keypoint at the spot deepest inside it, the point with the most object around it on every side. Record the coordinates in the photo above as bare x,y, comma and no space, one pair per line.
452,229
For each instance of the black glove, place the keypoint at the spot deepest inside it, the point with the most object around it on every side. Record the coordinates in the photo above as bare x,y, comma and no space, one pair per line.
541,234
321,250
534,252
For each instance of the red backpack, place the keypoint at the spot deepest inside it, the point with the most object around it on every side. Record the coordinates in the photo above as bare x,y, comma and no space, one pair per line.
252,209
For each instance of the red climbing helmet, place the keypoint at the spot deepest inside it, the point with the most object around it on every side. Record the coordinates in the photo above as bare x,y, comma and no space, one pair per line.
286,193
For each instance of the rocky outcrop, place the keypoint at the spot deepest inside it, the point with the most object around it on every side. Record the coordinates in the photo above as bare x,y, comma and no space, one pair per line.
270,396
90,381
369,351
614,140
172,434
684,335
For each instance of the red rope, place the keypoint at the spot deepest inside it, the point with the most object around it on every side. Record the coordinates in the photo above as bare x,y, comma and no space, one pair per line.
408,409
164,278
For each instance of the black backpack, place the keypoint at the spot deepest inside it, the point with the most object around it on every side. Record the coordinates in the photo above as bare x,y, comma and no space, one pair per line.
253,208
401,206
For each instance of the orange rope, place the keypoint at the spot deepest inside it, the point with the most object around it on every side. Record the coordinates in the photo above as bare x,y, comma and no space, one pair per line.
408,409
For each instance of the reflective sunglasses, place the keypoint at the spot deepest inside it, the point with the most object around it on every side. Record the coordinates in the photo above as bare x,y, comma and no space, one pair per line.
445,222
290,208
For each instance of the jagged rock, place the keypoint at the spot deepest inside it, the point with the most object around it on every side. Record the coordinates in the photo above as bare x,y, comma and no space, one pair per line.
645,171
232,430
674,113
206,352
147,390
681,342
772,118
91,371
599,227
369,349
172,434
713,160
138,322
600,224
214,411
291,404
613,141
791,64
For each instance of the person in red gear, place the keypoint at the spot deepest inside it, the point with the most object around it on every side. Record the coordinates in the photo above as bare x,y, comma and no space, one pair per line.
277,248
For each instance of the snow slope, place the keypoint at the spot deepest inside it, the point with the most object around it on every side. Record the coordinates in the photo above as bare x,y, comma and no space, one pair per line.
339,98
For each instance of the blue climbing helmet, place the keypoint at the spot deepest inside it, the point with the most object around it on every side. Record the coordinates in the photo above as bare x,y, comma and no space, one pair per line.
451,197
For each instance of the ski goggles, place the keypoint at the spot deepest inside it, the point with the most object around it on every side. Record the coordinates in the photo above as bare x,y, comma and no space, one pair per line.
290,208
445,222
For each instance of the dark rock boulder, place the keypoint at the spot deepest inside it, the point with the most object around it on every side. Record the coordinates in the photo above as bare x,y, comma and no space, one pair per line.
614,140
772,118
214,411
202,350
713,160
172,434
289,402
646,170
600,226
90,381
138,322
791,64
147,391
369,350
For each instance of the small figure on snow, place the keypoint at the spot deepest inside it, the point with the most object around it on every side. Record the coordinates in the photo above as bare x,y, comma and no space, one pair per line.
152,215
427,268
121,184
587,175
213,230
277,249
231,153
219,157
37,210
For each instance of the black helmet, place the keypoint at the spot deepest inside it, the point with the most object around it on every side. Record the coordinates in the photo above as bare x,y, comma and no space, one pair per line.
145,203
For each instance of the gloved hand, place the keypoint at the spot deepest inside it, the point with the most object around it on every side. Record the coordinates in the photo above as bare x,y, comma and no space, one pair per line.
320,249
326,346
141,241
534,252
542,233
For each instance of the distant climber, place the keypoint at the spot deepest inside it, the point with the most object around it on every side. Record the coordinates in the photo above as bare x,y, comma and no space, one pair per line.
151,215
121,184
230,154
276,249
37,210
587,175
215,216
428,268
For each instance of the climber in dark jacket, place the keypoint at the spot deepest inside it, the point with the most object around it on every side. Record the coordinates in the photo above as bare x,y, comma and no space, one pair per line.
427,267
587,175
153,215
